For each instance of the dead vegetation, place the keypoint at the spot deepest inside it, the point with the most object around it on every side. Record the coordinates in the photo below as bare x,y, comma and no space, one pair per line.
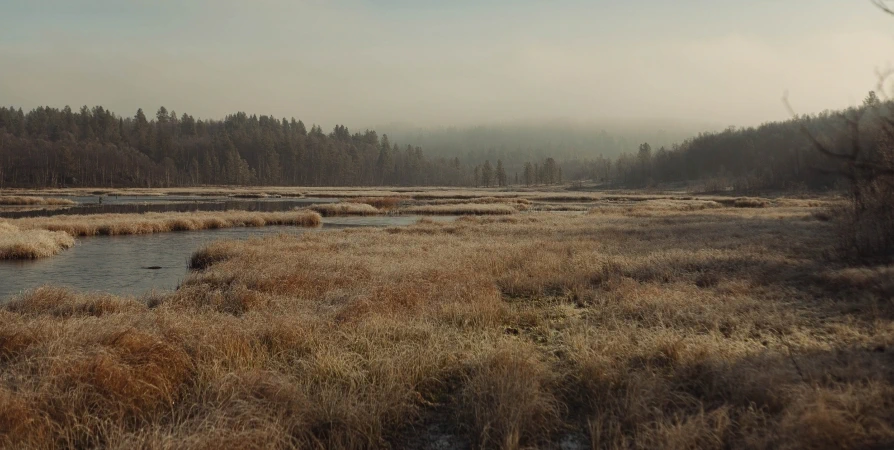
744,202
346,209
461,209
148,223
668,327
31,244
34,201
379,202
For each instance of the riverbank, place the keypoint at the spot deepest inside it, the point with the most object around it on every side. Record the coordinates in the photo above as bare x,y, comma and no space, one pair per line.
31,244
12,200
651,324
41,237
148,223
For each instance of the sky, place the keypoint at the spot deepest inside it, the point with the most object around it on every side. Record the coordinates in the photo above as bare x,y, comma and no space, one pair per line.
446,62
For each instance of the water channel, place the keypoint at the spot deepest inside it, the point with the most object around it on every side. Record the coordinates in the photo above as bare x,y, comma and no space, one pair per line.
135,265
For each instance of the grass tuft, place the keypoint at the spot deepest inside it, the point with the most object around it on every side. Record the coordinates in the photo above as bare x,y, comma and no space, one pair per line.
149,223
379,202
31,244
473,209
346,209
34,201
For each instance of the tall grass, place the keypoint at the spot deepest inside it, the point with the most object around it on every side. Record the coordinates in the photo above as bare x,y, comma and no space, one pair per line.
34,201
461,209
346,209
657,328
127,224
379,202
31,244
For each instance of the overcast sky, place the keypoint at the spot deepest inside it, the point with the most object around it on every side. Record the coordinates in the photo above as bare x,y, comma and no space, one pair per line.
456,62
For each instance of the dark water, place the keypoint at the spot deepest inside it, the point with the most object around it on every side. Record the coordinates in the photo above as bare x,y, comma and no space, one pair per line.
118,264
139,205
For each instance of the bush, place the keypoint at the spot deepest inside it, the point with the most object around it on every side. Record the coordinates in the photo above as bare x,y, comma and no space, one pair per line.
866,224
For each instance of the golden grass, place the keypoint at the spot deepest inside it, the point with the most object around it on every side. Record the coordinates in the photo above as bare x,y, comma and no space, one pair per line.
211,254
666,326
126,224
346,209
31,244
579,207
32,201
379,202
459,209
516,202
745,202
251,195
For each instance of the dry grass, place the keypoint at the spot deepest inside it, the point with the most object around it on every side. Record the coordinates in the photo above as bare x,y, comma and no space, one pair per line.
33,201
461,209
746,202
31,244
126,224
664,327
379,202
346,209
251,195
209,255
657,207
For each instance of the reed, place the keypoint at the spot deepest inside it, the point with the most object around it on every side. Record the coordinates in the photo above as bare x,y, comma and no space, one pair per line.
461,209
31,244
379,202
649,325
127,224
34,201
346,209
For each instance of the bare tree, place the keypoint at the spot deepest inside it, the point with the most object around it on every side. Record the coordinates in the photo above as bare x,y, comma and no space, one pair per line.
865,159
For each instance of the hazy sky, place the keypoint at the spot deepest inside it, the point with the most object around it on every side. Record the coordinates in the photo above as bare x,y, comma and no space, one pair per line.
445,62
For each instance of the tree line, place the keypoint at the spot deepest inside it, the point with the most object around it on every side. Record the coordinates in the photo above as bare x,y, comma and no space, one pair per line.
94,147
773,156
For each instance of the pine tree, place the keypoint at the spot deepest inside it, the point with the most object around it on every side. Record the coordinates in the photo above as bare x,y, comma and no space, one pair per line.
528,174
501,173
487,174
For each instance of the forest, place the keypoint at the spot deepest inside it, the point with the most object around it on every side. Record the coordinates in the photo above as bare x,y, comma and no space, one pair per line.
95,147
775,156
50,147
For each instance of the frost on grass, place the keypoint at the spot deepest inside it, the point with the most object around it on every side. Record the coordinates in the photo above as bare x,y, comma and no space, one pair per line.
643,326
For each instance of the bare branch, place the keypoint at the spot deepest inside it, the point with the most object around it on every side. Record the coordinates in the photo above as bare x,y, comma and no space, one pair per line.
881,4
814,141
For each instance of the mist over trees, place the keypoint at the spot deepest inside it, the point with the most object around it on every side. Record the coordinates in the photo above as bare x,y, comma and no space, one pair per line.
773,156
95,147
521,142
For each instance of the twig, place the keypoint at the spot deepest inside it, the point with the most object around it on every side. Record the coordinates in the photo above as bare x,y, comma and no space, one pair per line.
883,6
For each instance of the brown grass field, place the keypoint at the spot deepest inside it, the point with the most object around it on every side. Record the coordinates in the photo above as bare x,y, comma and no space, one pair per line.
31,244
460,209
659,323
346,209
379,202
34,201
148,223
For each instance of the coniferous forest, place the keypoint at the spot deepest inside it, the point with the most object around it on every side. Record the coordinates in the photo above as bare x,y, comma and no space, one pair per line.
95,147
50,147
